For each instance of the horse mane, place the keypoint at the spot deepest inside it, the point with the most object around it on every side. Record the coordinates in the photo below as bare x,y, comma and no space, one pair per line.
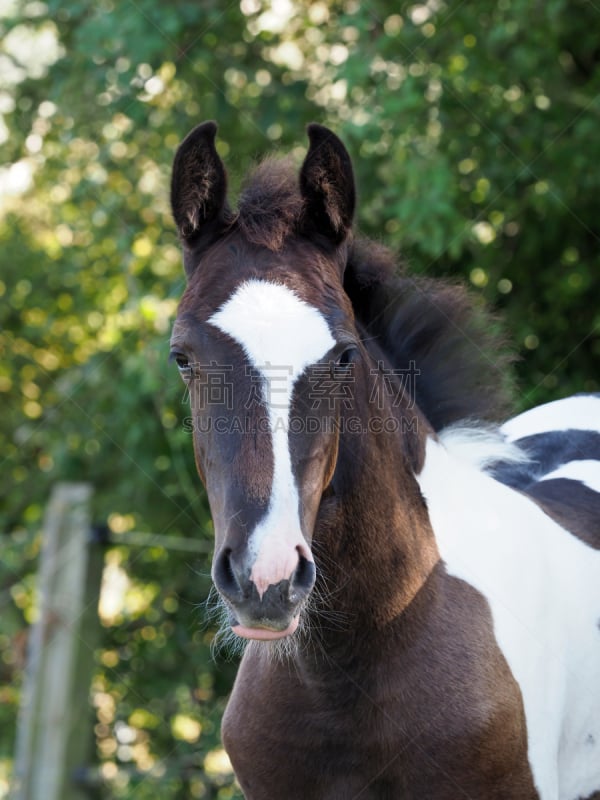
436,324
440,328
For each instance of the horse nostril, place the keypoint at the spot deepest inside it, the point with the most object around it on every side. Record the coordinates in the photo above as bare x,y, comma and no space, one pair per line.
224,575
303,578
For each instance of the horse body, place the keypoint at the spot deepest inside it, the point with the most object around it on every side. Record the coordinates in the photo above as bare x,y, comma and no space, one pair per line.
428,596
541,583
495,660
404,722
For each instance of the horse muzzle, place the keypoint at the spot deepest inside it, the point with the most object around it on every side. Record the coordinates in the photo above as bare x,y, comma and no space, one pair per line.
263,611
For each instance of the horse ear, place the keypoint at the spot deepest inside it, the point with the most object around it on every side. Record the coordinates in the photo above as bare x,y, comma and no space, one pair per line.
327,185
198,185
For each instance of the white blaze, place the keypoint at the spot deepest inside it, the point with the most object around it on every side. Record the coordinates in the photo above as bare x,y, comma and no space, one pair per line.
281,336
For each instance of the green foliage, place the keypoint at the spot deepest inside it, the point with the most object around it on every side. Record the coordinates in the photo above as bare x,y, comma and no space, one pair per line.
472,128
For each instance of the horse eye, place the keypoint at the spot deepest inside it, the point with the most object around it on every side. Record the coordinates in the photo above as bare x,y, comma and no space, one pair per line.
346,361
183,364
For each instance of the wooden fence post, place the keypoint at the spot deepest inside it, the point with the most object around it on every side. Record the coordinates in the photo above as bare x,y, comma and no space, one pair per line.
54,737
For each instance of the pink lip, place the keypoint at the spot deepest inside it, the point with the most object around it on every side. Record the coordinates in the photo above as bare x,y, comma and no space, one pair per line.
265,634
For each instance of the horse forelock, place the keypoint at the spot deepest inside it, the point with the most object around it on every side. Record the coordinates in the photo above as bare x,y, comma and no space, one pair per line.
270,204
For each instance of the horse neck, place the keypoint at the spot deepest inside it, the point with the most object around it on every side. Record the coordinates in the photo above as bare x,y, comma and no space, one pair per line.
374,540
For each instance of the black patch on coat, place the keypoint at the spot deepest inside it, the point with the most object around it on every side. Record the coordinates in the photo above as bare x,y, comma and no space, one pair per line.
547,451
572,504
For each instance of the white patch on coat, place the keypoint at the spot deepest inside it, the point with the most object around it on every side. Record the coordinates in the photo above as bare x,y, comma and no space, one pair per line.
585,470
281,335
581,412
481,446
543,588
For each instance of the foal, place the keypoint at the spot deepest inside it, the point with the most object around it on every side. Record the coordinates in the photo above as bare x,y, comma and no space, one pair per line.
422,598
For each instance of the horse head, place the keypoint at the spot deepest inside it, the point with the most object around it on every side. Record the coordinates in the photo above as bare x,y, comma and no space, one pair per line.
265,340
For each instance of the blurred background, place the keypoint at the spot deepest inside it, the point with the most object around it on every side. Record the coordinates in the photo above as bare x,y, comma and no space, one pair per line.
474,132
